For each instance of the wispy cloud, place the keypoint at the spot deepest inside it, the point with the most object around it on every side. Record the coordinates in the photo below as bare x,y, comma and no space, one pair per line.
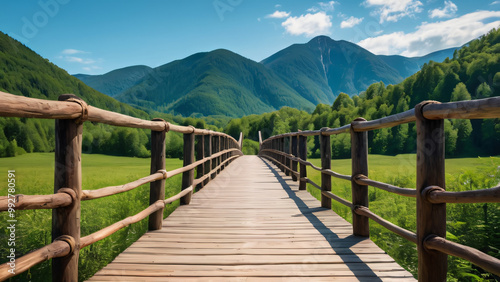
431,37
393,10
495,3
447,11
73,52
308,24
73,59
278,15
350,22
323,6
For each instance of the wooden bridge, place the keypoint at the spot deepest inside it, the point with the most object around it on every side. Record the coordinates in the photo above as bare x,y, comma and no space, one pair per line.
253,222
252,218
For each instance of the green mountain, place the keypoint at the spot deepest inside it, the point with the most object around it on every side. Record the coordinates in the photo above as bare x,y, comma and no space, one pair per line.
115,82
322,68
25,73
214,83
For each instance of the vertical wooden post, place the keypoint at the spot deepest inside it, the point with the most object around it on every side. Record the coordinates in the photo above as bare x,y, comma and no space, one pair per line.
157,188
431,218
303,156
188,176
209,164
68,174
282,149
220,142
294,151
359,159
287,146
214,151
200,154
223,147
260,141
326,163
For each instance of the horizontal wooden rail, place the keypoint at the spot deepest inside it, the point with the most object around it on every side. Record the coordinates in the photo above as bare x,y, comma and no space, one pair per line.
20,106
438,195
431,200
477,257
107,231
195,164
61,247
363,180
282,165
63,198
312,183
207,175
472,109
408,235
113,190
332,196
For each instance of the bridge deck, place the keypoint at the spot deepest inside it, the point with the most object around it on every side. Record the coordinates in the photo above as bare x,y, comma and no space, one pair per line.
252,223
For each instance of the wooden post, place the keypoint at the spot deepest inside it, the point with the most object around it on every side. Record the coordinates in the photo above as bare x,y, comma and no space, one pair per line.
282,149
208,165
287,146
326,163
68,174
214,151
359,159
294,152
220,142
188,176
200,154
303,156
260,141
431,218
157,188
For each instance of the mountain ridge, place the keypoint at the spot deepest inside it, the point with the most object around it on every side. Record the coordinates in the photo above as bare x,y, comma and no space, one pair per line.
301,75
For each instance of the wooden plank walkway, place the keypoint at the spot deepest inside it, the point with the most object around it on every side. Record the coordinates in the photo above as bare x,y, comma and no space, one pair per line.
252,223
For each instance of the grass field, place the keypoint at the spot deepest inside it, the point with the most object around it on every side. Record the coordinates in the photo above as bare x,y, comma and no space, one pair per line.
34,176
461,174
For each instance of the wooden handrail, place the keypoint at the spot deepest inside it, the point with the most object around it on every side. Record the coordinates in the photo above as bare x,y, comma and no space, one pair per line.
408,235
70,113
363,180
61,247
431,200
478,258
438,195
63,198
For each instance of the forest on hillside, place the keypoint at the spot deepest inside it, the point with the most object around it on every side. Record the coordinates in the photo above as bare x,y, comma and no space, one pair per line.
473,73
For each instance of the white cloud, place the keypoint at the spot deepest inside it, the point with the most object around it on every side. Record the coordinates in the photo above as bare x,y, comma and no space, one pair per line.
72,52
323,6
393,10
430,37
278,15
351,22
495,2
73,59
308,24
448,11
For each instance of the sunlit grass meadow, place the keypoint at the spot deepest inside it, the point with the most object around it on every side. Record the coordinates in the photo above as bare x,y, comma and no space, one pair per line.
35,176
464,221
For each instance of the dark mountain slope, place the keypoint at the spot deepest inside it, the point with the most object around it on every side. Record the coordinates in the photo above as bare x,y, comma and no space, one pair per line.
115,82
214,83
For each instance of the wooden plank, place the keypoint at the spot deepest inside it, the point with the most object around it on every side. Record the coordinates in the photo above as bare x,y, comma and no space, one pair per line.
253,223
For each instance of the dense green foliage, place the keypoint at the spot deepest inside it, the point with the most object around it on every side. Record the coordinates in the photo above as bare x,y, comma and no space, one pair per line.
23,72
474,225
473,73
214,83
35,176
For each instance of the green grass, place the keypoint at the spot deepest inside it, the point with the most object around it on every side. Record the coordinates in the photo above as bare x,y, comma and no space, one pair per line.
461,174
35,176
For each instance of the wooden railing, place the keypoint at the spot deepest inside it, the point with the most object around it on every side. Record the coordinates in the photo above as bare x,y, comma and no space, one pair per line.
430,193
214,151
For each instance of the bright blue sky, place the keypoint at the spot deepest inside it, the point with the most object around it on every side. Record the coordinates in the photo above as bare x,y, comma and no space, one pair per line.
97,36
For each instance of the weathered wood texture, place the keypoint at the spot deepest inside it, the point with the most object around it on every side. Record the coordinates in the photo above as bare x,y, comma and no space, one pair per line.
157,188
431,218
359,156
326,163
231,232
188,176
67,174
